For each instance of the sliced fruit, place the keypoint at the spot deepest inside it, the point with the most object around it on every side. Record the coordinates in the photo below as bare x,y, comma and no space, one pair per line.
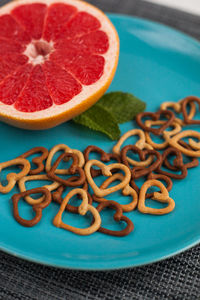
12,85
56,60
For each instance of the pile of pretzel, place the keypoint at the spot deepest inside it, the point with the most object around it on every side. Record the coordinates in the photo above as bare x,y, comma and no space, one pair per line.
153,166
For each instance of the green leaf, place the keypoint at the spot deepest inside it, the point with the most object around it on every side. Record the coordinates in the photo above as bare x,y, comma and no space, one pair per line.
111,109
123,106
99,119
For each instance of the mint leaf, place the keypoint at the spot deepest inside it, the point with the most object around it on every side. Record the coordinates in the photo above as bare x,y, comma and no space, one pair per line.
99,119
111,109
123,106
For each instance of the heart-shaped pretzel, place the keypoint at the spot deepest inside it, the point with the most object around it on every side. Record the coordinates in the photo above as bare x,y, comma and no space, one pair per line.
178,163
65,148
38,161
36,208
126,191
167,180
152,175
149,123
184,104
21,183
137,172
57,197
118,216
194,145
105,157
191,164
162,196
106,171
174,142
178,109
82,209
12,178
169,104
141,143
155,117
74,168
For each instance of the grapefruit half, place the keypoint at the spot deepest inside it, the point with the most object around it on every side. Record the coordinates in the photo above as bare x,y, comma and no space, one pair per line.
57,58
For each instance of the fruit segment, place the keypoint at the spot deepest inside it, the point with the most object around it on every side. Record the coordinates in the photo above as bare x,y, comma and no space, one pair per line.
12,30
88,69
10,62
59,11
80,24
95,42
62,86
35,96
9,46
64,57
31,17
12,85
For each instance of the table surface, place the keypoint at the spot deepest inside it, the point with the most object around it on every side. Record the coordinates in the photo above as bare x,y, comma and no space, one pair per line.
192,6
174,278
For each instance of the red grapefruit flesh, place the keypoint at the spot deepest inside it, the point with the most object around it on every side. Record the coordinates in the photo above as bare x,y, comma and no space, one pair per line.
34,95
11,86
31,18
61,12
56,60
10,62
61,84
10,29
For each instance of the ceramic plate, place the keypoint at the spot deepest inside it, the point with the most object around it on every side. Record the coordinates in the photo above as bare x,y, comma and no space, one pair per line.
156,64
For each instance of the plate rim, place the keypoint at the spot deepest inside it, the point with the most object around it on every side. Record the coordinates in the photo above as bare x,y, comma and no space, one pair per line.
121,265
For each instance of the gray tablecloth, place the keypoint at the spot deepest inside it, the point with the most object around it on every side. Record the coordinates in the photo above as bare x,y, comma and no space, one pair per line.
175,278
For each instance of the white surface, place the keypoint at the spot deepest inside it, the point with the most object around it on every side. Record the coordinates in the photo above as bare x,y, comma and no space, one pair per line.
190,6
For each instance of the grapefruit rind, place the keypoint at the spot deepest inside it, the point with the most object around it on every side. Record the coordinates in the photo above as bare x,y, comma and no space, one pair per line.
89,95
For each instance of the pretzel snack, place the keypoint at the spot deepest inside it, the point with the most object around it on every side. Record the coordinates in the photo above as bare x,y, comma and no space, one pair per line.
118,216
74,168
12,178
36,208
106,171
174,142
66,149
149,123
82,209
21,184
155,117
162,196
57,197
105,157
38,161
178,108
126,191
141,144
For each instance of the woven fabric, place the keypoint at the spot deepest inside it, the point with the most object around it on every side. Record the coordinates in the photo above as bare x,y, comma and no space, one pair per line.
177,278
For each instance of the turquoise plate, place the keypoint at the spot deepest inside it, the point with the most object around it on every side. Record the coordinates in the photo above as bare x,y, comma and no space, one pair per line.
156,64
